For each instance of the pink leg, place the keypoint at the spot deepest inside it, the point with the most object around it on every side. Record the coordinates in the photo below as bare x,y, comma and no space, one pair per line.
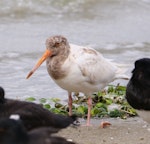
89,102
70,103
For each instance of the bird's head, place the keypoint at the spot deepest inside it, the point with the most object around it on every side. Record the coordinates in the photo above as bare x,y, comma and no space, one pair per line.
54,46
12,131
141,72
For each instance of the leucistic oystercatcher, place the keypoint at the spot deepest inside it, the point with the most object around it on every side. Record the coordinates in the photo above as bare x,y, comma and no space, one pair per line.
78,69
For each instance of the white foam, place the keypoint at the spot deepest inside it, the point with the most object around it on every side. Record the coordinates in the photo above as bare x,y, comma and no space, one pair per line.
15,116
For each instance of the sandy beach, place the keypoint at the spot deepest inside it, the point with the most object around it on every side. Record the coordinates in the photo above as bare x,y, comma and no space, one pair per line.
129,131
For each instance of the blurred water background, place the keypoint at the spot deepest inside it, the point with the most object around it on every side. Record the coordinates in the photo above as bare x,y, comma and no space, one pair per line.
120,29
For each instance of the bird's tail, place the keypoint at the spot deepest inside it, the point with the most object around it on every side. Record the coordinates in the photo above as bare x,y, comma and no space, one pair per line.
61,121
121,71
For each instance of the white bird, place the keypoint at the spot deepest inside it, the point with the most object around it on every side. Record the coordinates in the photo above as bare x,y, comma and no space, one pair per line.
138,88
78,69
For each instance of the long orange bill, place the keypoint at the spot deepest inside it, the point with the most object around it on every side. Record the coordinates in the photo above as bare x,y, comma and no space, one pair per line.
41,60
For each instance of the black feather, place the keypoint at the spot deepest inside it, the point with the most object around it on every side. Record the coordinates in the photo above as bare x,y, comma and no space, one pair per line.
138,88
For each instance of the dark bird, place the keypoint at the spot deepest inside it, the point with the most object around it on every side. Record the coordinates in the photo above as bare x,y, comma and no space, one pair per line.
78,69
138,88
33,115
13,132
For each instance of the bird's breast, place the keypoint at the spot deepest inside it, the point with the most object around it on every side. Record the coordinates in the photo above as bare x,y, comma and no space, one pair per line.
56,72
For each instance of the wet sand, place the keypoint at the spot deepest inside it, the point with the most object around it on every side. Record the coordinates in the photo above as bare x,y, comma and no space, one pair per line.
129,131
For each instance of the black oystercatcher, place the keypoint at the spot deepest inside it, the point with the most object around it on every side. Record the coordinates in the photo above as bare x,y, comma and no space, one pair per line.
138,88
13,132
33,115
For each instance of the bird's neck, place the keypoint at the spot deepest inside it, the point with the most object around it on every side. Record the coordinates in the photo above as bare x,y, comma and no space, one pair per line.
54,64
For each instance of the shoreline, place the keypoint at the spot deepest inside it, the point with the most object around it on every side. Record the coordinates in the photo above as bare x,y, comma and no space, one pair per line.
130,131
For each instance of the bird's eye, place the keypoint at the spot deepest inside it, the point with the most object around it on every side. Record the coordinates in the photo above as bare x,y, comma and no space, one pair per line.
56,44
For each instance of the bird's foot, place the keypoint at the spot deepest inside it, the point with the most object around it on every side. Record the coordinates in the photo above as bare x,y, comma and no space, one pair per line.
104,124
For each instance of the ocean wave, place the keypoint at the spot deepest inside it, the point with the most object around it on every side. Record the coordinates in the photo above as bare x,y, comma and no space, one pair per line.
70,8
23,8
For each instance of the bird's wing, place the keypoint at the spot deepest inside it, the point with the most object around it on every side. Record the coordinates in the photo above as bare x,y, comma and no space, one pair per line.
93,66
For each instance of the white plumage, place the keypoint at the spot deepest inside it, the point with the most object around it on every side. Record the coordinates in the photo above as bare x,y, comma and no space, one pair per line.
78,69
88,71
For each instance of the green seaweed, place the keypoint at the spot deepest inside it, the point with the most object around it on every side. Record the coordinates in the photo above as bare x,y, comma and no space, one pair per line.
30,99
100,102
